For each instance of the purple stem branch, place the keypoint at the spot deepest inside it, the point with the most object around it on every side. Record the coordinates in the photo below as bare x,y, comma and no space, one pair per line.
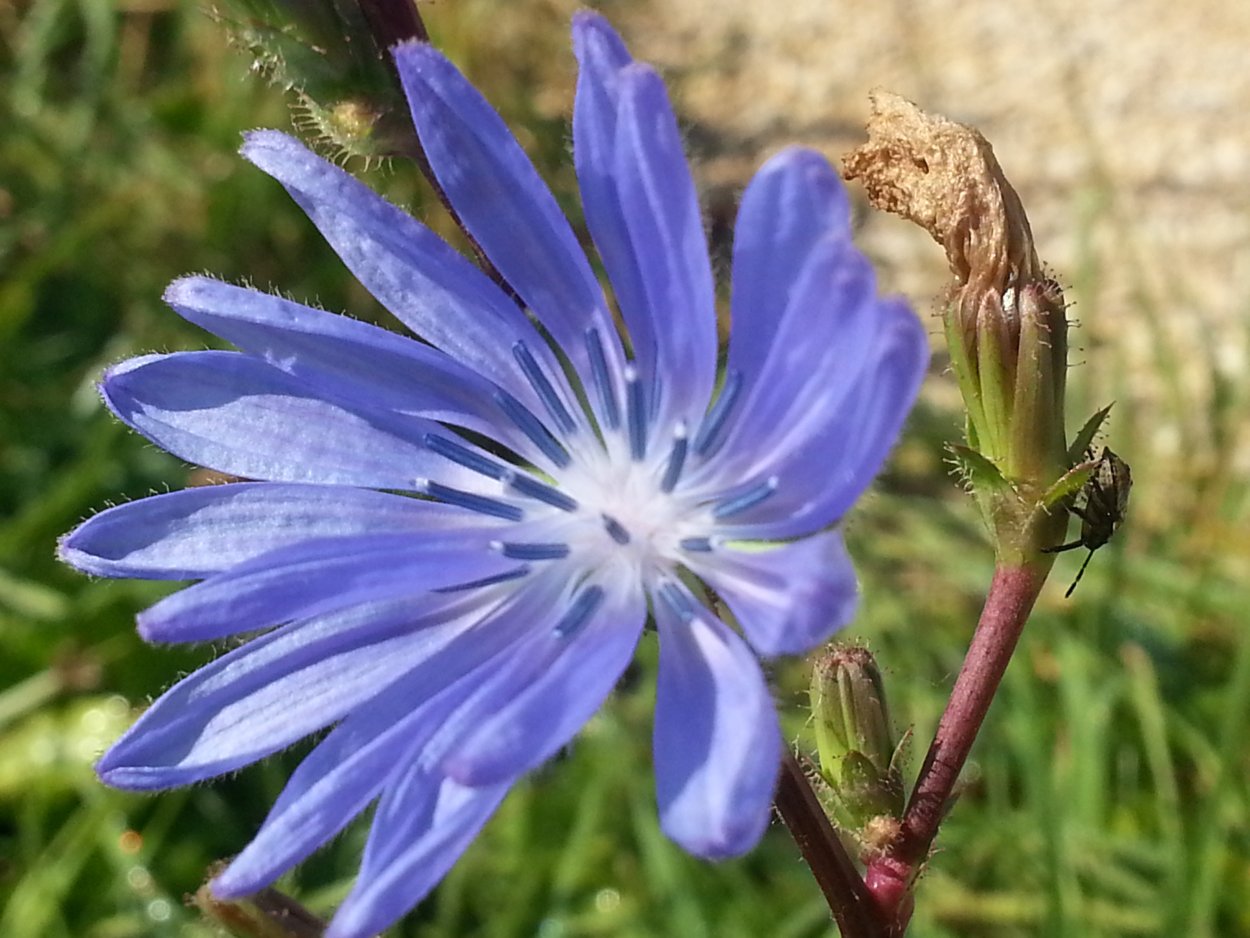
267,914
392,22
853,907
1007,607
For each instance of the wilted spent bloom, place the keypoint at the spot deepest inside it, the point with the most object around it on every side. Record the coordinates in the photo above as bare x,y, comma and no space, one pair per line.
856,744
1004,318
453,546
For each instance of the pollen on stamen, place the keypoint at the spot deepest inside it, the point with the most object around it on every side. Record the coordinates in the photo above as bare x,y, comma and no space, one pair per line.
635,414
584,606
527,485
542,387
519,551
698,545
463,456
736,504
480,503
615,529
676,600
603,381
709,434
676,458
533,428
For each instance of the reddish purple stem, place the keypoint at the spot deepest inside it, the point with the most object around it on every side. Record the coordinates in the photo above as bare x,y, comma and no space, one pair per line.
1011,597
850,902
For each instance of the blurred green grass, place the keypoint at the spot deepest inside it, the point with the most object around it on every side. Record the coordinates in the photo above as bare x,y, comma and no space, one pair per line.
1110,792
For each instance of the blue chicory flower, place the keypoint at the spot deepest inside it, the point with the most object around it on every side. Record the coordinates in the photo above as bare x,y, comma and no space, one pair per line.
454,546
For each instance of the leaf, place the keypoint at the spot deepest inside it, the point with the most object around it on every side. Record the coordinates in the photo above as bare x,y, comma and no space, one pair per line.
976,470
1068,484
1081,442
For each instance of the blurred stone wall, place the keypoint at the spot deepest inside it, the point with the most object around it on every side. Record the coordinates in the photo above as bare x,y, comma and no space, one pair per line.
1122,123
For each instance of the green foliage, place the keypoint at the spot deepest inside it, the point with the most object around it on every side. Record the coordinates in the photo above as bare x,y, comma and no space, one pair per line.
1109,796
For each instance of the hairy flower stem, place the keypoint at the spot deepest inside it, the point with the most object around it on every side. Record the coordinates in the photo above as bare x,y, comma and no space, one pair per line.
1011,596
852,905
392,22
267,914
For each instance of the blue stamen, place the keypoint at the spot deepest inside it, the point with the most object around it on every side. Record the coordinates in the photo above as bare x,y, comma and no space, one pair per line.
528,485
676,458
678,601
603,381
736,504
710,431
698,545
533,428
615,529
542,387
463,456
584,606
514,574
515,551
478,503
636,414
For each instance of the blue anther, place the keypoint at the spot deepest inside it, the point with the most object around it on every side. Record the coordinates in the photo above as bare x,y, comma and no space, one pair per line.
678,601
616,530
527,485
542,387
584,606
676,459
478,503
716,418
736,504
516,551
533,428
636,414
603,381
513,574
698,545
463,456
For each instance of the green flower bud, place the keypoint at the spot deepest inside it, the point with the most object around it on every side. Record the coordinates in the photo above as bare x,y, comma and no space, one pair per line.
855,740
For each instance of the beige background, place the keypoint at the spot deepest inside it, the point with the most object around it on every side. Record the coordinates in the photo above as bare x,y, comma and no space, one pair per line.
1122,124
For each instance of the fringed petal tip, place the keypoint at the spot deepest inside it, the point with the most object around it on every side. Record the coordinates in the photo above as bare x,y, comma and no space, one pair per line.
190,290
236,882
68,552
264,145
113,771
420,58
223,887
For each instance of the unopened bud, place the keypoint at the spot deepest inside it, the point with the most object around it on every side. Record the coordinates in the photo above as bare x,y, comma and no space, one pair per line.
855,740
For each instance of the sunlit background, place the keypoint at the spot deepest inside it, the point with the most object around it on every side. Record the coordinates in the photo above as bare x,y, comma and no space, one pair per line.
1111,786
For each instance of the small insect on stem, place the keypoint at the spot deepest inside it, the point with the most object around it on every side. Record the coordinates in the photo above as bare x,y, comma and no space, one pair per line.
1103,503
